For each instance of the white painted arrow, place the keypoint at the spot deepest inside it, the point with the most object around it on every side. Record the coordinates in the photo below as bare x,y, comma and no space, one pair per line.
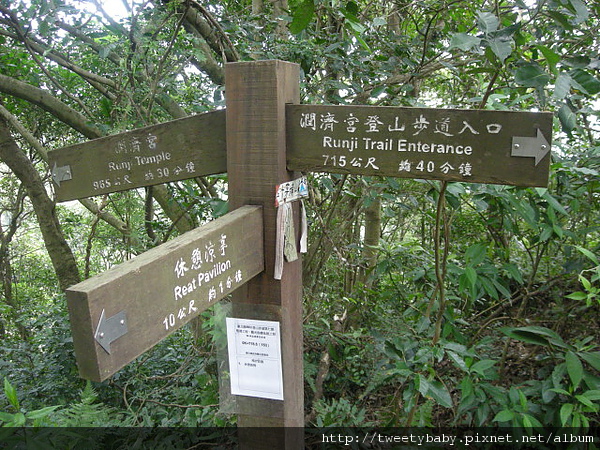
62,173
530,147
110,329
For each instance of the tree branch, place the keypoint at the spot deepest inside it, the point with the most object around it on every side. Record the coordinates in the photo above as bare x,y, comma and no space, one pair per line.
58,249
49,103
110,219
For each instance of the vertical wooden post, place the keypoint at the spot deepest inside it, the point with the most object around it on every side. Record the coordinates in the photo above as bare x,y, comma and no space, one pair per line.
256,94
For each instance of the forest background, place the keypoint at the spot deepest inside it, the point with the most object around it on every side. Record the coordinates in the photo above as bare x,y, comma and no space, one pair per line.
425,303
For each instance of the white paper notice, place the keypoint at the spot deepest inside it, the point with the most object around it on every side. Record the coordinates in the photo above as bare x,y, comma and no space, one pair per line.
255,358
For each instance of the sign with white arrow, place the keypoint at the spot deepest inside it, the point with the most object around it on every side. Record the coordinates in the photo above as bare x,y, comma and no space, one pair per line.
184,148
473,146
110,329
531,147
121,313
60,174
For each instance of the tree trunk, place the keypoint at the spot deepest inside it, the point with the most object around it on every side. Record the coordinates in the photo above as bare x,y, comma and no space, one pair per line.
5,278
280,7
372,237
59,251
258,7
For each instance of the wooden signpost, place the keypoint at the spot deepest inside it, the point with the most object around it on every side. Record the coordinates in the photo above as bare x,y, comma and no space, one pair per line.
173,151
474,146
262,137
121,313
257,94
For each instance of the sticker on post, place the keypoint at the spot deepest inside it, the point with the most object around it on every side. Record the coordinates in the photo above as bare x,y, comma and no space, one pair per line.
255,358
291,191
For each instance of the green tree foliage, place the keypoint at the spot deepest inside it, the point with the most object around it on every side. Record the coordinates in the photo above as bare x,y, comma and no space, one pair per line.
425,303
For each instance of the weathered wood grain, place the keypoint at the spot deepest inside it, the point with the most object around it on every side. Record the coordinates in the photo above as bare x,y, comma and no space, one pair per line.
176,150
473,146
256,96
162,289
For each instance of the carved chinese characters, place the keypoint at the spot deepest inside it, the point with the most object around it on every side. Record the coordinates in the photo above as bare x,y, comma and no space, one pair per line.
161,290
178,150
446,144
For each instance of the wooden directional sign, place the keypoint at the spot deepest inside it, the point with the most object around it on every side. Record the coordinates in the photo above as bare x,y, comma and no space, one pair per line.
177,150
118,315
121,313
477,146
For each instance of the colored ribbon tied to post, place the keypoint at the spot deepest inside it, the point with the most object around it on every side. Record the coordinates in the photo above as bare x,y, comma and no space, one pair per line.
285,245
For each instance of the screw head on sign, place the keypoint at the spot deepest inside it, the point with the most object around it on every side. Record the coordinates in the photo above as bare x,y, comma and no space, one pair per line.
516,146
101,335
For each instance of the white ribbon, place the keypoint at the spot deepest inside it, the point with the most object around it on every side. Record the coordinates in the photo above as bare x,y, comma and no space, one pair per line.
285,241
279,241
303,228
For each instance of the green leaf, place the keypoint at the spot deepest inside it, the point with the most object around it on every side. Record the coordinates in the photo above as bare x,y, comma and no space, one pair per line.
593,394
588,254
302,16
379,22
487,22
464,41
535,335
489,287
352,8
501,46
565,412
105,50
552,57
356,26
562,86
41,413
440,394
476,253
352,23
585,81
577,61
522,399
514,272
577,296
457,348
531,422
501,288
18,420
561,20
423,385
574,368
560,391
567,118
458,360
587,285
525,336
531,75
481,366
435,390
581,12
592,358
11,394
546,233
6,417
585,401
471,275
466,387
505,415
